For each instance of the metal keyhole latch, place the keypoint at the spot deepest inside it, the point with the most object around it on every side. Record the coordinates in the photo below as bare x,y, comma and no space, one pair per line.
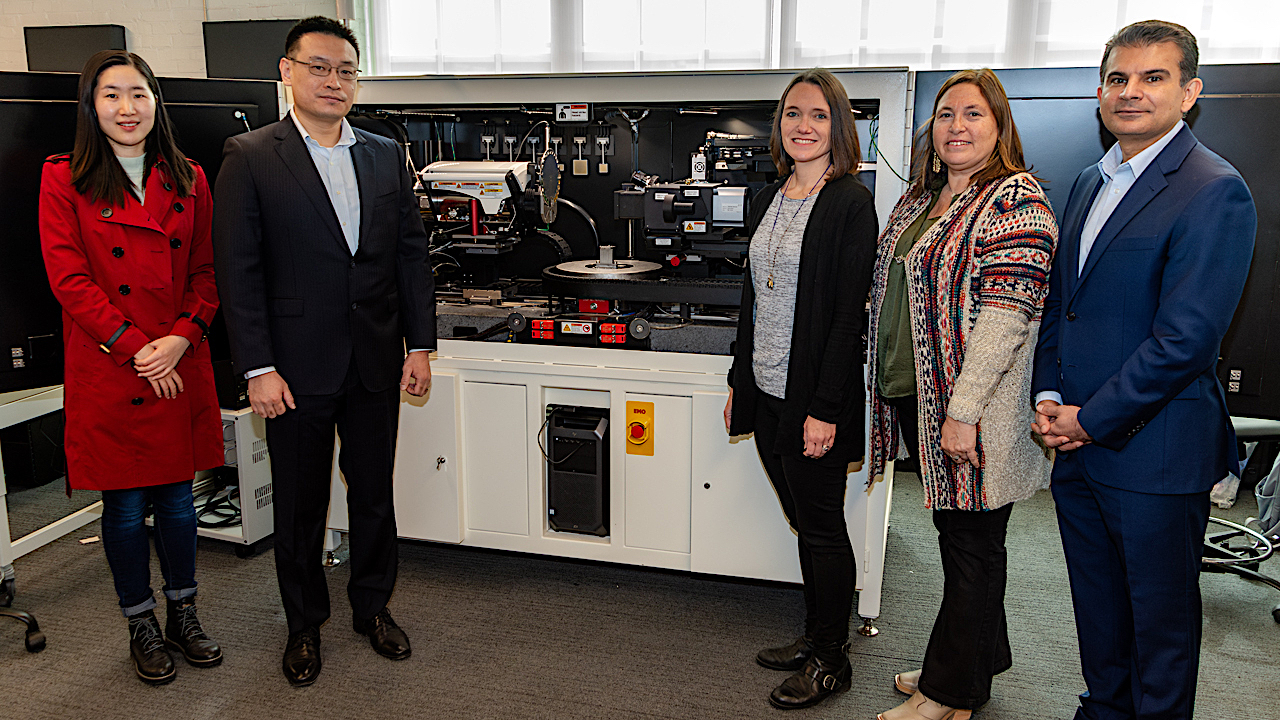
440,461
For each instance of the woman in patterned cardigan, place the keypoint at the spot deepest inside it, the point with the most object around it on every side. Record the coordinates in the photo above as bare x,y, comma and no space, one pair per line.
960,281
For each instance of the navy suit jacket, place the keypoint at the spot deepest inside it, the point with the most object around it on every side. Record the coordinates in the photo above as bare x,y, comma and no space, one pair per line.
1133,339
292,293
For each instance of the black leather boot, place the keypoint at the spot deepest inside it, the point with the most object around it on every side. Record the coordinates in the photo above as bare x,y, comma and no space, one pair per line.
788,657
150,659
817,679
183,633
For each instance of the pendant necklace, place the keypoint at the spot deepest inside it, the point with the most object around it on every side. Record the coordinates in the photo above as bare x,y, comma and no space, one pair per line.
773,239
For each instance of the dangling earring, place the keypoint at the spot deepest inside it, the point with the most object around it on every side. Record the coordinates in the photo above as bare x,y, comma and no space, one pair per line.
937,162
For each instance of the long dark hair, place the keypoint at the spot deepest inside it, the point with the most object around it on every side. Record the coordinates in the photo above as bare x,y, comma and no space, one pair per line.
1005,160
94,169
845,152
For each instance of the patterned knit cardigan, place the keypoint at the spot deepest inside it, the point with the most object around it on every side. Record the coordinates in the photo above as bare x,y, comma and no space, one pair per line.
976,284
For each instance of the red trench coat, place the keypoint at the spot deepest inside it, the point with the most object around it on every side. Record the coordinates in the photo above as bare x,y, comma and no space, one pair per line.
125,276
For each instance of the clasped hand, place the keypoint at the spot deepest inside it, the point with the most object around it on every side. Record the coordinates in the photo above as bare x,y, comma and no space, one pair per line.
1059,426
156,363
160,356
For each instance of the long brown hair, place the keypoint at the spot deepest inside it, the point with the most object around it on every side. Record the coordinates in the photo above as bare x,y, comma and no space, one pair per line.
94,169
1005,160
845,151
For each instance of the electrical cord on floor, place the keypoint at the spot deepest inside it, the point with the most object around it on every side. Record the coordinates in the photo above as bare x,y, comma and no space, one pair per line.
217,508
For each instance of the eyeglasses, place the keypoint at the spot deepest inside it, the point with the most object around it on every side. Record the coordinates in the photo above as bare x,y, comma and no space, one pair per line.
319,69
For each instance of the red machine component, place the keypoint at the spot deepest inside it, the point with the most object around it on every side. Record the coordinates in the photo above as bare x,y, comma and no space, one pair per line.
475,216
593,306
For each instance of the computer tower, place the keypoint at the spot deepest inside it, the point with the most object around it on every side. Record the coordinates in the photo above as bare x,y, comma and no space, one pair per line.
577,452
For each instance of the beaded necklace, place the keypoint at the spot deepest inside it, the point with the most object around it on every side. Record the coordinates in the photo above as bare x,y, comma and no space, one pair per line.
773,256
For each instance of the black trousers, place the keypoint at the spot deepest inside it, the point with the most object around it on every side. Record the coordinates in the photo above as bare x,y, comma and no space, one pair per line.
812,496
301,445
970,640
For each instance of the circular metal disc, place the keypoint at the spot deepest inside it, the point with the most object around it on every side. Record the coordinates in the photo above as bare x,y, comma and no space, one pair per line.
625,270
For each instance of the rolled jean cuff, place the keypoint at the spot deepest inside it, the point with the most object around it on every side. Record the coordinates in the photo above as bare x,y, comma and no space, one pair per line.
148,604
180,594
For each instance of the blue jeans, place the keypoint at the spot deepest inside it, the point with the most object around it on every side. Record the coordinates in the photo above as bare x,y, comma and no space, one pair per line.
124,539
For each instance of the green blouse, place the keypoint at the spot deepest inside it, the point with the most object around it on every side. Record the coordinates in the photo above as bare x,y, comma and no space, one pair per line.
895,356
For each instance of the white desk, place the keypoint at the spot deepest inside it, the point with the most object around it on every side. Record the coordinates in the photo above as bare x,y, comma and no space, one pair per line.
17,407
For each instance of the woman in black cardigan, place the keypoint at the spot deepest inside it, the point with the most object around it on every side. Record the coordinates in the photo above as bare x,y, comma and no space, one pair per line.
797,379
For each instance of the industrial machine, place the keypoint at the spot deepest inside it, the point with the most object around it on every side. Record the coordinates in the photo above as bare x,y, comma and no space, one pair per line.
482,210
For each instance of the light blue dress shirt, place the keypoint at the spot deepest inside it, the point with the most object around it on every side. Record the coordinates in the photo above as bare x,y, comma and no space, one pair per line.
338,173
1117,178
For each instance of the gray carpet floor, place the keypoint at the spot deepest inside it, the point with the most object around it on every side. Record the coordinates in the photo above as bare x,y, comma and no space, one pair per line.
511,636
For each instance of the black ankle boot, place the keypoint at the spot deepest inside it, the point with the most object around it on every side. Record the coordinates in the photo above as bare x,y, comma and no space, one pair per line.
827,671
183,633
150,659
788,657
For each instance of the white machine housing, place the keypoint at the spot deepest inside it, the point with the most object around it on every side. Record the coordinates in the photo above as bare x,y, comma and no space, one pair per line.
483,180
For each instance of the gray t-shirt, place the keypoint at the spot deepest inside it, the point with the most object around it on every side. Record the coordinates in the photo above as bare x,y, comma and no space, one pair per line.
775,254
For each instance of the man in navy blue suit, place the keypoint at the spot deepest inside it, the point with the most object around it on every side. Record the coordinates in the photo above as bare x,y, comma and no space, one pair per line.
1155,247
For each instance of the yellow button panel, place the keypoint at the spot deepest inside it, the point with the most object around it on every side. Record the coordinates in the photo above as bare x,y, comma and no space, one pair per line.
639,428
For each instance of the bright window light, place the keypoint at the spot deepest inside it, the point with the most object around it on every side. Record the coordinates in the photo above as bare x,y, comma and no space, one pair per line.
495,36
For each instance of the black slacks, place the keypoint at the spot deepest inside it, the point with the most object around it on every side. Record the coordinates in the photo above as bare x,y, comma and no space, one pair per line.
970,640
812,496
301,445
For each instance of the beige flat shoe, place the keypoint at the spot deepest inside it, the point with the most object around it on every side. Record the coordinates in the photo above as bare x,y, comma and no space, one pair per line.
908,682
919,707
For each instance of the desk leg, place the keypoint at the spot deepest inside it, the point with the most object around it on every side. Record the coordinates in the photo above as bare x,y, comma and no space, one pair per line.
332,541
6,547
879,503
34,639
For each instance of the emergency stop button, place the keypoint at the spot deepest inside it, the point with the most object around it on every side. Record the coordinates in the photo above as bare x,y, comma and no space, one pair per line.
639,428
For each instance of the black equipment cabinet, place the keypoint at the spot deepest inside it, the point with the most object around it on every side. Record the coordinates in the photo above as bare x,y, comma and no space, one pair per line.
1056,110
38,113
578,469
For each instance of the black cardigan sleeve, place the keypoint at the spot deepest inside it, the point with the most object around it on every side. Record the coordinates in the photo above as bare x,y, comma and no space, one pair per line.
855,232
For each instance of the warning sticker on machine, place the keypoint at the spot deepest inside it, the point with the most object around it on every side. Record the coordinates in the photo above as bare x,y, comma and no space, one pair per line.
576,328
573,112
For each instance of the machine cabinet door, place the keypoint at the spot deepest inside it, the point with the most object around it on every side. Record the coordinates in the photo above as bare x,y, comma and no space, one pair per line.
738,527
496,444
428,491
657,484
428,496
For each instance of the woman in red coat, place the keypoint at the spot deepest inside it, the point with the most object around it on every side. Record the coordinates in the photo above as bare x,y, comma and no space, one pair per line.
124,226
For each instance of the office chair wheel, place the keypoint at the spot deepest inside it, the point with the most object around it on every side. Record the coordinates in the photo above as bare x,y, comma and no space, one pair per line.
246,551
1275,613
1230,546
7,593
35,640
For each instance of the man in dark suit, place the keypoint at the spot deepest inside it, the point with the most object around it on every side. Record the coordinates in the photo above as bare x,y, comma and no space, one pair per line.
322,271
1155,248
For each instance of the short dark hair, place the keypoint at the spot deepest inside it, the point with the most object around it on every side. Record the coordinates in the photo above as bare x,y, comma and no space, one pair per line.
1151,32
845,152
94,170
319,24
1005,160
